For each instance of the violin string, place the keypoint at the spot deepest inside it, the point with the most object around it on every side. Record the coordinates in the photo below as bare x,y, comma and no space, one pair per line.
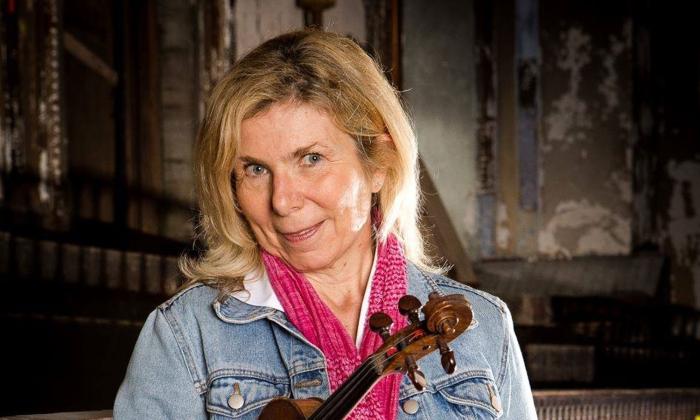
357,380
376,356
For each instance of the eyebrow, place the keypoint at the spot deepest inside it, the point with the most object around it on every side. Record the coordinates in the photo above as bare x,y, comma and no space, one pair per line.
296,154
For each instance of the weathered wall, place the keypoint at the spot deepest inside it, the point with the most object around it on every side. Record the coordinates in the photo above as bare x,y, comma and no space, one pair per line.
679,225
583,158
618,163
584,153
259,20
586,140
88,97
673,145
565,129
347,17
438,80
620,154
33,148
179,109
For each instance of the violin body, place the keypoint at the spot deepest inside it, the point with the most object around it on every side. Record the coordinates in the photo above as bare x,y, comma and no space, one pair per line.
445,318
286,409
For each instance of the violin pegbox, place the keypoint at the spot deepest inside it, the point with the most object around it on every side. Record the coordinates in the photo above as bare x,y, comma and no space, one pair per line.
444,319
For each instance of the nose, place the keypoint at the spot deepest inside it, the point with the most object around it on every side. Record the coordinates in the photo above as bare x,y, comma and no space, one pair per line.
286,194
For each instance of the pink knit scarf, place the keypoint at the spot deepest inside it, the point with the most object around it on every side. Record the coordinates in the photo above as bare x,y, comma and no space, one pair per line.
314,319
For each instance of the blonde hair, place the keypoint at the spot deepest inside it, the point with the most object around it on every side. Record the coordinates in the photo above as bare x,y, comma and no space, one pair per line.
312,67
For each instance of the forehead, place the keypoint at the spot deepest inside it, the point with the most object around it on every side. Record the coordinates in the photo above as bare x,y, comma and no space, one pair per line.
288,125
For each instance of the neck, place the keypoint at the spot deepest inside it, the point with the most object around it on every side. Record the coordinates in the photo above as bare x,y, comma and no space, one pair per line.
347,278
343,291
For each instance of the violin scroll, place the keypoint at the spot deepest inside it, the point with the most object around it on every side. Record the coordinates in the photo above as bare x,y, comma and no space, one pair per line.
444,319
447,315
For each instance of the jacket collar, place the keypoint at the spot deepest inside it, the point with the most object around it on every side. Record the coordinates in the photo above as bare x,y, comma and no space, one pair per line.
235,310
421,284
239,308
256,301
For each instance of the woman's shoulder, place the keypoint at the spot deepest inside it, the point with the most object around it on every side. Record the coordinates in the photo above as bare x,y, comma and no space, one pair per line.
445,285
201,307
488,351
190,308
491,323
192,297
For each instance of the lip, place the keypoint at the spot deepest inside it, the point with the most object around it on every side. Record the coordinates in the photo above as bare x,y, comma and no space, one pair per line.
302,235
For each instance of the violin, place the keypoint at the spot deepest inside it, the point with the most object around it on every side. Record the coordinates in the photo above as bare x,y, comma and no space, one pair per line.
444,319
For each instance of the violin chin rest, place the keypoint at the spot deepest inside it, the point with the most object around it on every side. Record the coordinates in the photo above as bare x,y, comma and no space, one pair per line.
288,409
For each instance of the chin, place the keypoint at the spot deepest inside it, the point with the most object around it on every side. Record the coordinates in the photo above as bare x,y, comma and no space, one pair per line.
308,263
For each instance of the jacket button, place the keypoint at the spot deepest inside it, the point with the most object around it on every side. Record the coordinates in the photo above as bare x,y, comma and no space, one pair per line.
410,406
236,401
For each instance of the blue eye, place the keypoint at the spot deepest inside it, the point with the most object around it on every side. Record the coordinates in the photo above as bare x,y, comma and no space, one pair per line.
255,170
312,159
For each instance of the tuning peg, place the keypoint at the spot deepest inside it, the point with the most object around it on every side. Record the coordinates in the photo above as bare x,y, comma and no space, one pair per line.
448,362
416,376
447,358
380,323
433,295
409,306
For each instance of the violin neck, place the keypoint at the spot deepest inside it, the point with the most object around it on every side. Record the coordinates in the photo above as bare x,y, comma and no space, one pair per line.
345,398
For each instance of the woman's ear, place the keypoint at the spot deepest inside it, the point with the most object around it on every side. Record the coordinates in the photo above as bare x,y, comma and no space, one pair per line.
379,174
385,137
378,177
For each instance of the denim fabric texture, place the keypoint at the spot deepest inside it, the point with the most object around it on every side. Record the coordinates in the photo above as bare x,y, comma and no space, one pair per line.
198,358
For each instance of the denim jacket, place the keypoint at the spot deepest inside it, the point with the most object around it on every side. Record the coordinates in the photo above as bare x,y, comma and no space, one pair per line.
194,354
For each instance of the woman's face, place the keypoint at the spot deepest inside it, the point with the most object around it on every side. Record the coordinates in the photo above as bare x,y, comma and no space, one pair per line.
302,187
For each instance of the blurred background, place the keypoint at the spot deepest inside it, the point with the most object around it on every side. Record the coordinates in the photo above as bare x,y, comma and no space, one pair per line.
559,147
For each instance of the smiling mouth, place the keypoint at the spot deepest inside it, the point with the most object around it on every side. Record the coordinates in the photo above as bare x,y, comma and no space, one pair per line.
302,235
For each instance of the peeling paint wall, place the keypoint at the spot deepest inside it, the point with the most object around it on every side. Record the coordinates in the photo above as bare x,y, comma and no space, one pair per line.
583,158
619,156
586,139
594,229
584,162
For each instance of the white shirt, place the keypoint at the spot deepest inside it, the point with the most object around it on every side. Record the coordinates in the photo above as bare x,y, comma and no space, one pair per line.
259,292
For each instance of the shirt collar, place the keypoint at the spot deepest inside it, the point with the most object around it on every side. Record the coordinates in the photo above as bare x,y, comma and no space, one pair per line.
258,299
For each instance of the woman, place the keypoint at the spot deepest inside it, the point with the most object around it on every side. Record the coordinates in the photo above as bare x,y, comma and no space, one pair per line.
307,180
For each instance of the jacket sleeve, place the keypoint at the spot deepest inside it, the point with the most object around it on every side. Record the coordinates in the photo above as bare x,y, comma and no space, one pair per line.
515,391
158,383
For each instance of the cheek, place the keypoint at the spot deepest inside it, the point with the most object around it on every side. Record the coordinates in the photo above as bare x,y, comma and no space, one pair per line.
252,205
352,201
